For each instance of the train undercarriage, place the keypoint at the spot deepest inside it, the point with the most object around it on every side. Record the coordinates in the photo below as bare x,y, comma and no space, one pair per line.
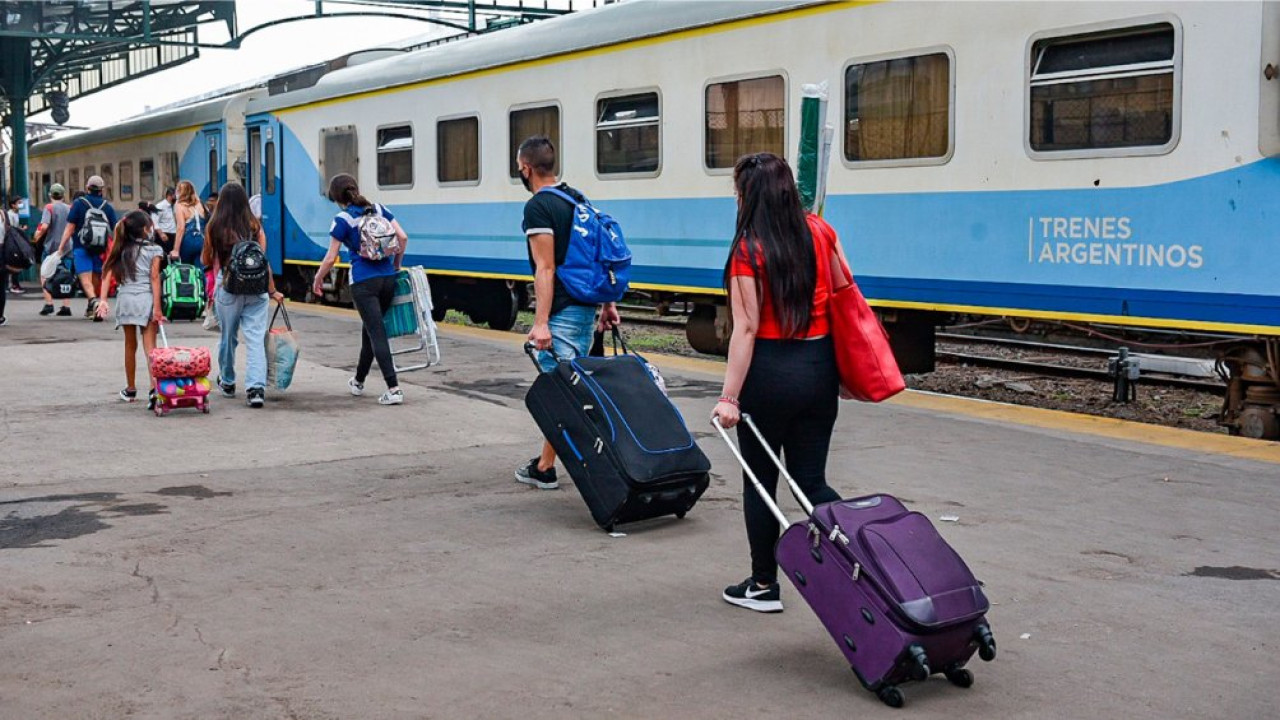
1249,367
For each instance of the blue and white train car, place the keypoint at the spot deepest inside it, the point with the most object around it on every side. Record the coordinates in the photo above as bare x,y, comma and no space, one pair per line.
138,158
1089,162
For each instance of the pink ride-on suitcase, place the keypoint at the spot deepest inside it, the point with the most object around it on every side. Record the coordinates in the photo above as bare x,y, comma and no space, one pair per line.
175,387
897,599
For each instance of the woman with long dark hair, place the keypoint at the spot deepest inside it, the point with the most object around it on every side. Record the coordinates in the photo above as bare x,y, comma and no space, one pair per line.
782,367
373,279
134,262
232,224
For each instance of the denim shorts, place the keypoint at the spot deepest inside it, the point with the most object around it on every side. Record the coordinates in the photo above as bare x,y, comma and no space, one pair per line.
572,330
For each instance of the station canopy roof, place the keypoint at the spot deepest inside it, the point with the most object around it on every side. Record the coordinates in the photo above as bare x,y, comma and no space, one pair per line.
83,46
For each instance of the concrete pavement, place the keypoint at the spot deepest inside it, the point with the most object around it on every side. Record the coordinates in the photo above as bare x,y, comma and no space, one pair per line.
330,558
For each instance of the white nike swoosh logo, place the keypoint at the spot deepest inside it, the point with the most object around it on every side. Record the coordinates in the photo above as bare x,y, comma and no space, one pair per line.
753,594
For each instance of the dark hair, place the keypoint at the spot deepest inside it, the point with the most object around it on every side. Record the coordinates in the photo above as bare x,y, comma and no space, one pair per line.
772,227
232,222
540,153
344,191
131,235
77,195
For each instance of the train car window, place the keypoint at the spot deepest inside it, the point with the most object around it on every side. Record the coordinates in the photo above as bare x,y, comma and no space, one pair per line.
338,154
627,134
458,150
147,180
108,182
168,169
254,169
60,177
43,195
89,171
126,180
898,109
395,156
1112,89
744,116
534,121
73,182
214,176
270,173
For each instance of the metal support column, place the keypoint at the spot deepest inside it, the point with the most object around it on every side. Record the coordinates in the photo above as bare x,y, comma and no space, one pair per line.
15,76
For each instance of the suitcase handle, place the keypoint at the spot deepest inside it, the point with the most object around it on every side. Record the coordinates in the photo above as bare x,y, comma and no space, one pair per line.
791,482
532,352
737,454
164,340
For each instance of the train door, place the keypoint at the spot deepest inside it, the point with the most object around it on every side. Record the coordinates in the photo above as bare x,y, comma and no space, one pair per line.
266,183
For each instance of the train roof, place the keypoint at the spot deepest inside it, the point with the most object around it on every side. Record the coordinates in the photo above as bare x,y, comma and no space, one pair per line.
599,27
199,113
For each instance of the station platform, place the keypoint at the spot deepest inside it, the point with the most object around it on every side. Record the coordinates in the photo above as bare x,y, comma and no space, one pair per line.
326,557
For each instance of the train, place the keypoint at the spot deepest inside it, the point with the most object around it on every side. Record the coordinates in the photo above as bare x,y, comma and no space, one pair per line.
1095,163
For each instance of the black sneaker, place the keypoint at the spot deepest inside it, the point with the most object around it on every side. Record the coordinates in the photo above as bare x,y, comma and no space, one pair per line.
228,389
152,399
748,595
3,321
128,395
46,310
92,310
255,397
65,311
541,479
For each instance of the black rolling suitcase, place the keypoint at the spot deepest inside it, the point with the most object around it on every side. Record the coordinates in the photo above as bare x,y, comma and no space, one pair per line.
625,445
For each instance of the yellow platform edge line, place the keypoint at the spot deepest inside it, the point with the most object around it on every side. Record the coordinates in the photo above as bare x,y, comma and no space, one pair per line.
1126,430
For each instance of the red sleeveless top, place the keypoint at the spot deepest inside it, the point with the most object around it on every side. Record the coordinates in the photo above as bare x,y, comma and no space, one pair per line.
770,328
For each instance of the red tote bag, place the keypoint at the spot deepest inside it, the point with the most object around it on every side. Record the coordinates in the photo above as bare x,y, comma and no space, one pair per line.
868,370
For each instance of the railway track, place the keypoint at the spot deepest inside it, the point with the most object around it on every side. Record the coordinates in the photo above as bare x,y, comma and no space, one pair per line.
1050,368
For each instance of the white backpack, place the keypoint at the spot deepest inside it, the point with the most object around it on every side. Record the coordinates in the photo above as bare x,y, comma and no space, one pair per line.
378,238
96,231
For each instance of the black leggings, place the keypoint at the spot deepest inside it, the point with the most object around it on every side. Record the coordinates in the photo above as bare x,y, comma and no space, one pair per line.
792,393
372,298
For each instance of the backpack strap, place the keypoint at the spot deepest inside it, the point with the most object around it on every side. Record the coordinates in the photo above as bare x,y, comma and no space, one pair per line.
564,195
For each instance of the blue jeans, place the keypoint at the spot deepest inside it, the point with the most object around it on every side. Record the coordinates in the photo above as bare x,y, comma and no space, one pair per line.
572,330
247,313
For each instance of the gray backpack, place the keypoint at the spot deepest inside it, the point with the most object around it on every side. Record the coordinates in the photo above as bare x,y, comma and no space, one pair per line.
95,230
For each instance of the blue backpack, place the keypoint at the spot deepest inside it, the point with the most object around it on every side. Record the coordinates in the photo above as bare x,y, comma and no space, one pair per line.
597,264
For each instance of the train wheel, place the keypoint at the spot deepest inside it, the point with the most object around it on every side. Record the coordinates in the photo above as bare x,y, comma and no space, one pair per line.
502,307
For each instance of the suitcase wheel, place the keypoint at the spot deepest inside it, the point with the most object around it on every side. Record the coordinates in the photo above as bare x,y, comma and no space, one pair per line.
986,643
960,677
890,695
680,514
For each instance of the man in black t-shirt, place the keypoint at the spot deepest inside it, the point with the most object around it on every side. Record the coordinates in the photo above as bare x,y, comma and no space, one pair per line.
561,324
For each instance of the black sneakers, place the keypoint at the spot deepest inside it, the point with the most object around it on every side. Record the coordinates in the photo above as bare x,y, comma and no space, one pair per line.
46,310
541,479
256,397
228,389
65,311
747,594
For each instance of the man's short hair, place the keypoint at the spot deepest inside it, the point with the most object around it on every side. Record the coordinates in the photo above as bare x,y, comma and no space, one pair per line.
169,191
539,153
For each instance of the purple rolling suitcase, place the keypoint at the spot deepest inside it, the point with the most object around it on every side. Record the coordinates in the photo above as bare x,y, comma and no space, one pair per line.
897,599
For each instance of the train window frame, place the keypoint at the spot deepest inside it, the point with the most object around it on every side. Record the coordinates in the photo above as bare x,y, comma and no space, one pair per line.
269,173
215,176
153,195
930,161
60,177
479,149
73,182
379,152
1103,28
89,171
169,172
740,77
107,173
612,95
123,167
513,145
326,173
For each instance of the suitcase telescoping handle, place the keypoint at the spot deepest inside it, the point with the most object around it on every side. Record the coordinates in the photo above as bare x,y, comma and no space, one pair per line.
791,482
751,475
164,340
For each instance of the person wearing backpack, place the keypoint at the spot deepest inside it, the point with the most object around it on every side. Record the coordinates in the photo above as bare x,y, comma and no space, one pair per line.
563,325
236,248
53,221
89,227
134,260
189,220
375,243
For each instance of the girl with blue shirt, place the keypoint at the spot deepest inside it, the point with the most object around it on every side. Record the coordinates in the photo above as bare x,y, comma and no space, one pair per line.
373,282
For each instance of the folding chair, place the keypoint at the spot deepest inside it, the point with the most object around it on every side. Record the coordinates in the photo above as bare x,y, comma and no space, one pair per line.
410,316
